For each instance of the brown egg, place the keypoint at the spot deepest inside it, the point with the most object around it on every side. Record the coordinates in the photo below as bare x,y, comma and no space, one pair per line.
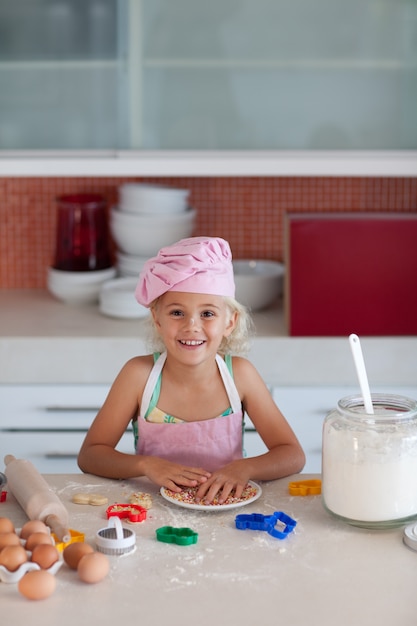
12,557
37,538
37,585
33,526
44,555
9,539
6,525
74,552
93,567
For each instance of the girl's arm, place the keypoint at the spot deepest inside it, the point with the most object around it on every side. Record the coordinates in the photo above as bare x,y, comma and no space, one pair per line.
98,454
285,455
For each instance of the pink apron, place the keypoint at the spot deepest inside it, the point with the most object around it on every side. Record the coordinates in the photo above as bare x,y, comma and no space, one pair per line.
209,444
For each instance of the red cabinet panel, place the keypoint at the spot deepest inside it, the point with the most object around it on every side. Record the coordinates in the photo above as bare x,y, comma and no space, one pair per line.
351,273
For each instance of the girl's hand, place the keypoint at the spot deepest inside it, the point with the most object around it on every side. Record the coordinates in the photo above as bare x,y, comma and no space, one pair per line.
233,477
173,476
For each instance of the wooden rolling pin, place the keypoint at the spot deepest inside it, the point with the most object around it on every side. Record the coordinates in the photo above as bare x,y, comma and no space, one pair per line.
36,497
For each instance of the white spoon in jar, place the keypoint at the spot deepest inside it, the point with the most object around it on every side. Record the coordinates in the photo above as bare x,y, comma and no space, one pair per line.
355,346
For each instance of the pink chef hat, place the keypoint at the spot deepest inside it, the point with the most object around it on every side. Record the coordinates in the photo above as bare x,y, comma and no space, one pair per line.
194,265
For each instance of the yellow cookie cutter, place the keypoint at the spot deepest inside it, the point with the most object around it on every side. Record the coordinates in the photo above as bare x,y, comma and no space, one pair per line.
305,487
75,537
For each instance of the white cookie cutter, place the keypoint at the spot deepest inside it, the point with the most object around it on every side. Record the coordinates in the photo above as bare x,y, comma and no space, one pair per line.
410,536
115,539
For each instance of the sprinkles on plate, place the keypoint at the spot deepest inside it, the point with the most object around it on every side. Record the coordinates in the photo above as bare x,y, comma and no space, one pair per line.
187,496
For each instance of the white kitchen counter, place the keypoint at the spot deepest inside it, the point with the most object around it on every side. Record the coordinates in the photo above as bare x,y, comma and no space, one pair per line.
35,313
325,572
45,341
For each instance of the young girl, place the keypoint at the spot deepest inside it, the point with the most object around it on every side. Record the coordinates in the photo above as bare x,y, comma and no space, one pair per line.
187,403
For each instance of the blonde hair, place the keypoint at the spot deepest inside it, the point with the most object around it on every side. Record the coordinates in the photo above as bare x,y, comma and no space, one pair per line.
237,343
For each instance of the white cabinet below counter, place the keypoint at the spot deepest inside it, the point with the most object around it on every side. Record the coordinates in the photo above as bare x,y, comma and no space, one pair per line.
46,424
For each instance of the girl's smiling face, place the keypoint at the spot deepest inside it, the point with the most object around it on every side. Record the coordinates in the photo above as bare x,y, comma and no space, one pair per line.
192,322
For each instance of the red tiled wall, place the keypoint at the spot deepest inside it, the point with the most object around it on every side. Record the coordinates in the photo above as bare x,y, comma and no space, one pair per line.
248,212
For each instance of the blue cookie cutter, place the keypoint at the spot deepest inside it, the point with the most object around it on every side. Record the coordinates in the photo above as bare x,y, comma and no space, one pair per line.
180,536
278,525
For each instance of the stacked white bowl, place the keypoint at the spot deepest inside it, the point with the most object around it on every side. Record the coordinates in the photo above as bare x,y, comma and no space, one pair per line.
150,217
144,198
129,264
78,287
147,218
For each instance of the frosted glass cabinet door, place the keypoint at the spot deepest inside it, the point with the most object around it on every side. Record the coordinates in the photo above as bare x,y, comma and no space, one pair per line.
62,74
278,74
208,75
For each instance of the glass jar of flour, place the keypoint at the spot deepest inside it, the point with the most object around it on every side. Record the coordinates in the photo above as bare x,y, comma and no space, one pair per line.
369,462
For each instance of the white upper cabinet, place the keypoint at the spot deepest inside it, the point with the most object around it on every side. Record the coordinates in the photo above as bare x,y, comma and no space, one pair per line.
129,76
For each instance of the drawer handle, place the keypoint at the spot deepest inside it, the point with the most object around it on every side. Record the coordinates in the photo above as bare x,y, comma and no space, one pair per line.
65,409
25,430
61,455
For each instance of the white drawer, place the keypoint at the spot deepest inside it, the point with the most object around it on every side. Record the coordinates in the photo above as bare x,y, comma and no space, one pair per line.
52,452
46,424
50,406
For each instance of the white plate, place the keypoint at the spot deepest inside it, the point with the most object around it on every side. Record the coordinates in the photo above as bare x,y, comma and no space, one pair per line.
117,299
121,312
213,507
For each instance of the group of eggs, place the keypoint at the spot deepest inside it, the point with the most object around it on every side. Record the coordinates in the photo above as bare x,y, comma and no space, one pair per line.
35,544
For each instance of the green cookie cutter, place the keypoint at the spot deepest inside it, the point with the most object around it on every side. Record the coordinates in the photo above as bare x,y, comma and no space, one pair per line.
180,536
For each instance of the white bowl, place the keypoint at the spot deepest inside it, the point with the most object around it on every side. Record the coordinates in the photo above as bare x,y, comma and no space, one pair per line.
78,287
258,282
145,198
117,299
129,264
144,235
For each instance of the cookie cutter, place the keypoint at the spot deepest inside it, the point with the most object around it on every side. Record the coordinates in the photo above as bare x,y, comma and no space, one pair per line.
278,525
180,536
75,537
410,536
3,483
133,512
115,539
311,487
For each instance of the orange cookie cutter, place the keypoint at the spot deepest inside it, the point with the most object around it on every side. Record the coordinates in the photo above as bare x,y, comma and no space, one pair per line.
311,487
133,512
75,537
